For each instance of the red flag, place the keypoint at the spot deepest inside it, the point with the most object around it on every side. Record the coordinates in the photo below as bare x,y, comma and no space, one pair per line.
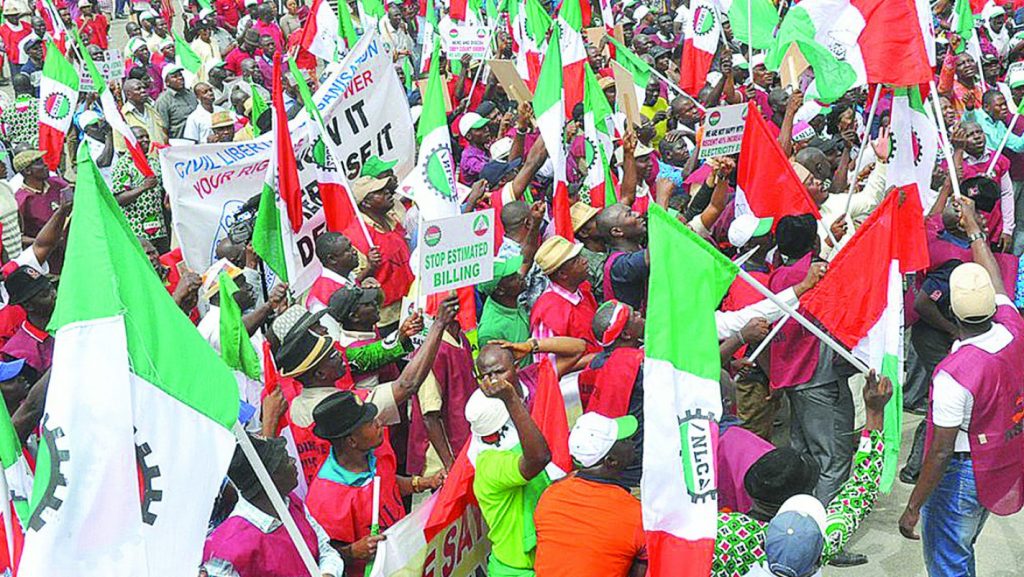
455,495
287,170
766,183
467,307
893,231
341,210
887,38
549,414
457,10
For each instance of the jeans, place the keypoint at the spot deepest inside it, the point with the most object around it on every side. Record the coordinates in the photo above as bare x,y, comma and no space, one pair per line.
119,6
951,521
822,427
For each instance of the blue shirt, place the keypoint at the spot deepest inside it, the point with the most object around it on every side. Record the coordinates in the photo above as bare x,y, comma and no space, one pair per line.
629,277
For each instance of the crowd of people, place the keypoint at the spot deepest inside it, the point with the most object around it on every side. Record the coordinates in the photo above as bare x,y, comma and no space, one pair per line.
364,392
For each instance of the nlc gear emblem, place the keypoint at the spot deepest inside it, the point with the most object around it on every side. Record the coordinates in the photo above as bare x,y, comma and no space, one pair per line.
439,170
697,434
48,471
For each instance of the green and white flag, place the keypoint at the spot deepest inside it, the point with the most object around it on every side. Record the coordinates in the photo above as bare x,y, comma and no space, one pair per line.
755,19
58,96
136,435
186,57
640,70
682,402
598,142
431,183
235,347
17,488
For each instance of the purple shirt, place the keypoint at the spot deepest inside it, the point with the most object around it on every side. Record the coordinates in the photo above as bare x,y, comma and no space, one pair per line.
473,161
36,208
33,345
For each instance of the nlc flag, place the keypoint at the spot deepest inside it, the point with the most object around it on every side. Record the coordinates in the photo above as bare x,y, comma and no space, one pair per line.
136,433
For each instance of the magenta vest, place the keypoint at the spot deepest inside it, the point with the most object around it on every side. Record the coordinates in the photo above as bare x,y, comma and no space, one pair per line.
254,553
997,446
794,350
738,448
995,217
453,369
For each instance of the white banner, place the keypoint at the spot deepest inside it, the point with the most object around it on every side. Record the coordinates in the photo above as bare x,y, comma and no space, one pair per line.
366,113
457,251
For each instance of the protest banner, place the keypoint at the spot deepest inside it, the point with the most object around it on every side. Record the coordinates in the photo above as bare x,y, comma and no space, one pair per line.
366,114
723,130
459,40
457,251
458,550
510,80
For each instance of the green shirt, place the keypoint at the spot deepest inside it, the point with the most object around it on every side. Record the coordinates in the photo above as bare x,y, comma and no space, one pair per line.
499,322
374,355
144,214
994,131
501,492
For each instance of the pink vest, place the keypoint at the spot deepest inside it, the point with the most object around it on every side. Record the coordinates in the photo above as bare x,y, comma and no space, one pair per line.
997,419
738,448
995,216
794,351
254,553
453,369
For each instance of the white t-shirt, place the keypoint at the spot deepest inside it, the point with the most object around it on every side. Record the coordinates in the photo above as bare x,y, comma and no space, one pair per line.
199,125
951,402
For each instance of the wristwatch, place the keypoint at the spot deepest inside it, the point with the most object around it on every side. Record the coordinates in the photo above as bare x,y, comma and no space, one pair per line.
976,236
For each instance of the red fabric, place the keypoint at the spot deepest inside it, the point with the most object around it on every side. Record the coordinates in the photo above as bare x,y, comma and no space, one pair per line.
741,294
287,170
345,512
613,383
769,183
549,414
455,495
253,553
94,30
393,274
304,59
342,214
321,291
887,38
228,12
565,319
9,560
794,351
467,307
694,65
737,450
457,10
862,268
671,556
11,317
562,214
12,39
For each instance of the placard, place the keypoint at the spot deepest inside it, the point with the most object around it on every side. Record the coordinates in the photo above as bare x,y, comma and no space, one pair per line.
510,80
472,40
723,130
792,66
625,94
456,251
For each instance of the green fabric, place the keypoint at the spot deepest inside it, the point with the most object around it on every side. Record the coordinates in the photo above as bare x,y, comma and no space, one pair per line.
505,498
833,77
10,454
372,356
106,274
499,322
319,148
763,16
373,9
963,23
145,214
186,57
98,82
628,59
266,234
235,347
687,281
346,29
259,106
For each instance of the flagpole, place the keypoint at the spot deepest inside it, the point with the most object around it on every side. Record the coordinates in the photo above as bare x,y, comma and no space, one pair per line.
677,89
944,141
811,327
750,33
275,499
1002,144
483,63
864,140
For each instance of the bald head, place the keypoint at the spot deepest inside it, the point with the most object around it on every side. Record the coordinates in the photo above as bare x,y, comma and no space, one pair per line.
514,218
815,162
610,218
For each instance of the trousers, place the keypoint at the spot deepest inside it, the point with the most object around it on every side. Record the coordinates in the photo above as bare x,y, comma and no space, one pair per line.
822,427
951,521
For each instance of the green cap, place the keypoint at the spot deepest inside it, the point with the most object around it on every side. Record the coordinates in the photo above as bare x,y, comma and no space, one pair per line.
374,167
502,269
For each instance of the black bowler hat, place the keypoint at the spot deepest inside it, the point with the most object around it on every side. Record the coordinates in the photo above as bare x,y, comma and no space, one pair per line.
340,414
344,301
779,474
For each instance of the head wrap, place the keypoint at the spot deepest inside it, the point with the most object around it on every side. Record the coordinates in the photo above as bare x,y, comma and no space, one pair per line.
616,324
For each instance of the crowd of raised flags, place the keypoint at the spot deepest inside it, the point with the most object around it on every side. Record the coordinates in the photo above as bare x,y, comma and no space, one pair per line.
279,396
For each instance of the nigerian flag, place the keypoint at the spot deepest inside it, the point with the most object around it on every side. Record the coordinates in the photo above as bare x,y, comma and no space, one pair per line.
136,435
186,57
755,19
235,347
17,487
870,268
688,278
599,134
431,184
640,70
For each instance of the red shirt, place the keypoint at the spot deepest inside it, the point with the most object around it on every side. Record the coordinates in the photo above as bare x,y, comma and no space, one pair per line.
95,30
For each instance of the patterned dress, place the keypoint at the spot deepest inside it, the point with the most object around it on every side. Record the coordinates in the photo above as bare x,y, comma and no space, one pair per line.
19,121
740,542
145,215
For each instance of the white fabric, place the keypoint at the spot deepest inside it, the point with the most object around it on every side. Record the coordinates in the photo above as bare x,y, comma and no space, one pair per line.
951,402
199,125
729,323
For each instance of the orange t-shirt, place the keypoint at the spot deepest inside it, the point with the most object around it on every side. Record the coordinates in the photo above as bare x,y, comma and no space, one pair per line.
587,528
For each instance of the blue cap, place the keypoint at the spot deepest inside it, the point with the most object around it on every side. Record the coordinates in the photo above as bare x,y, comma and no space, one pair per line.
12,369
793,545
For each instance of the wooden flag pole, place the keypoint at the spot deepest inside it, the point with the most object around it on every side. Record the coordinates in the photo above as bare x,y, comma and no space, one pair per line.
947,151
1002,144
865,140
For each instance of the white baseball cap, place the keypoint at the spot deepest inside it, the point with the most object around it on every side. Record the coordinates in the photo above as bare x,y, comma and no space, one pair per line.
594,434
971,294
745,227
469,121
